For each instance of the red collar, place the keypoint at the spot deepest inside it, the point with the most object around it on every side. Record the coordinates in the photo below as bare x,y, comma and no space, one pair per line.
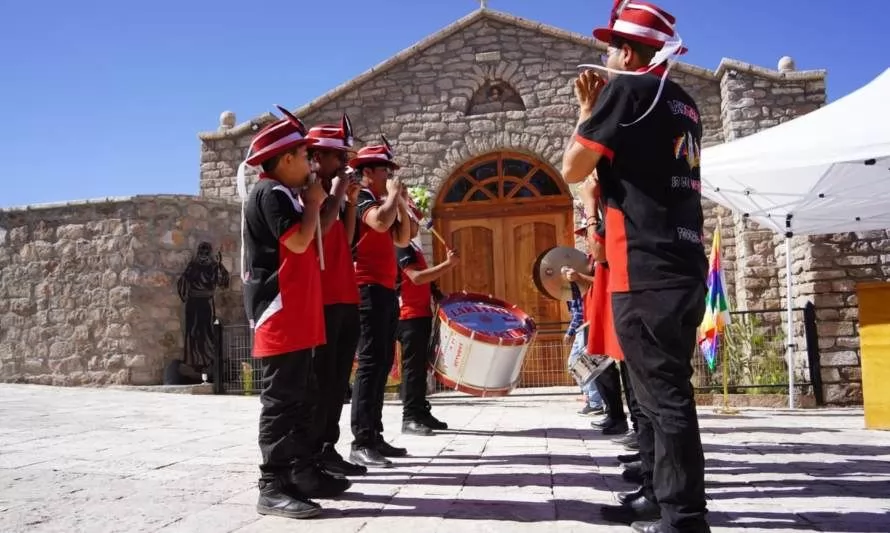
658,71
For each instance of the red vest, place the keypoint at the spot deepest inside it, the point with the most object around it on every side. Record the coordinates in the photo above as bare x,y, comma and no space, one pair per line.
414,300
375,254
338,283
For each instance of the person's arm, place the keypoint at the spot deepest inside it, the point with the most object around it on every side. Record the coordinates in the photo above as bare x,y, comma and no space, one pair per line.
401,230
330,210
349,221
586,278
290,223
380,216
349,213
577,317
407,257
599,132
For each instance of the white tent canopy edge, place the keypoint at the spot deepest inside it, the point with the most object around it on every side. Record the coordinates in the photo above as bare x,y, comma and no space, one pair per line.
825,172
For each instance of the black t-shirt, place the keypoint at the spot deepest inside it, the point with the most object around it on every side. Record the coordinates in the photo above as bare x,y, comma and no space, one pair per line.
650,182
283,288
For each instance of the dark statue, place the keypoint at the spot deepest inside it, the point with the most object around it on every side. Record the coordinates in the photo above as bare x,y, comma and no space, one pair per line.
196,287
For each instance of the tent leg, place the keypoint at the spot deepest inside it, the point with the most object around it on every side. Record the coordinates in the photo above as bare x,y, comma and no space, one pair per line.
789,341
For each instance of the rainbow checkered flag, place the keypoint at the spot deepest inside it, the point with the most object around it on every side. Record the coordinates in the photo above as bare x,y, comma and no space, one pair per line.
716,306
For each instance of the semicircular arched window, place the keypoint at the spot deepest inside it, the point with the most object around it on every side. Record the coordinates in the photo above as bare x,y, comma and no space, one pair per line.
500,178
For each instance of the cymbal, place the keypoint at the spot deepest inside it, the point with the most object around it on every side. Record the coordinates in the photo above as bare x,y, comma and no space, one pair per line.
547,271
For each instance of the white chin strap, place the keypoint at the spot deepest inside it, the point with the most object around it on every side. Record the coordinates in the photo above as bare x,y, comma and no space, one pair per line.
667,55
241,186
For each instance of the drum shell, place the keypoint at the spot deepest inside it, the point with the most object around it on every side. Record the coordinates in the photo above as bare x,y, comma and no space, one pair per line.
477,363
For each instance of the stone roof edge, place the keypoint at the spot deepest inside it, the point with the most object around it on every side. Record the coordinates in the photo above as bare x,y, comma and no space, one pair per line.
479,14
137,198
734,64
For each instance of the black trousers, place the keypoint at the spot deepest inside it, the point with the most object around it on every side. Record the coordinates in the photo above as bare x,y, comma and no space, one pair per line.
332,365
285,435
609,386
657,329
633,406
414,338
378,319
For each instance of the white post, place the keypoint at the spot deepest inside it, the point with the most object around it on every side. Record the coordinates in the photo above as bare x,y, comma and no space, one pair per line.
789,341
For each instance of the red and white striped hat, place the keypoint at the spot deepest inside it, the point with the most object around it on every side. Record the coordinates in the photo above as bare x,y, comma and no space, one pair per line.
640,22
376,154
333,137
275,139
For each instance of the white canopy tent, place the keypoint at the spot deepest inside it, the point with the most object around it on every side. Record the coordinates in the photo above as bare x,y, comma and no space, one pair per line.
825,172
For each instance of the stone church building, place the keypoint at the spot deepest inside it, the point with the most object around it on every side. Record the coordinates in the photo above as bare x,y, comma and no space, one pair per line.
478,114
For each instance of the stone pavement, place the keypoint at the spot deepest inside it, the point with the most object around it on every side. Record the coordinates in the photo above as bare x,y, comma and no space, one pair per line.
100,460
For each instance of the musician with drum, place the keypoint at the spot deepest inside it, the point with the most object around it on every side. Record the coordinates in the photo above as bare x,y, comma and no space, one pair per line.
642,133
383,225
332,363
416,290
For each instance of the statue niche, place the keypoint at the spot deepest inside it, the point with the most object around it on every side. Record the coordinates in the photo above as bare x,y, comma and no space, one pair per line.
196,287
495,97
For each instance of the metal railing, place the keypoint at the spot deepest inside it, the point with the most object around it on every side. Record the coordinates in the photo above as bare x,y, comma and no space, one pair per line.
753,346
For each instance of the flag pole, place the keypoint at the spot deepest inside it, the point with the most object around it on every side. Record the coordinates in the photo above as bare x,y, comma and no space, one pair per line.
726,409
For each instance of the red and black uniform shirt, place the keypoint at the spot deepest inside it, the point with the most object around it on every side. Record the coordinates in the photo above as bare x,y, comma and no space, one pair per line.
374,252
415,301
649,178
338,277
282,294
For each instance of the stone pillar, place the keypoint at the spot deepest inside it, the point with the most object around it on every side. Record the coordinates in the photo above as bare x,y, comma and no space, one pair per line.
754,99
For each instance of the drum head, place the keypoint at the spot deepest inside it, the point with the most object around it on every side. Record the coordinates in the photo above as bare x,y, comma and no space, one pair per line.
547,271
487,318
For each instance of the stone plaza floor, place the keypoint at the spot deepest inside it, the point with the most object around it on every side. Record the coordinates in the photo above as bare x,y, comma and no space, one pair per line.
105,460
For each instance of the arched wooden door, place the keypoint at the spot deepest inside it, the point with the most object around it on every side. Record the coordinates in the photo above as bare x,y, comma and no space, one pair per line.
499,211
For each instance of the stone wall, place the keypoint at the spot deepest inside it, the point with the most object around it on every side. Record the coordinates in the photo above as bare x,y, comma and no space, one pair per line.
87,289
419,100
832,267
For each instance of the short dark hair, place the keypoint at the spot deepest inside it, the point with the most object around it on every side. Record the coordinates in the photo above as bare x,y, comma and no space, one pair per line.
270,164
644,51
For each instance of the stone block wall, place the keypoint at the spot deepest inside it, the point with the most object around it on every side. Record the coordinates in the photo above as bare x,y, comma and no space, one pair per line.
88,289
833,265
420,101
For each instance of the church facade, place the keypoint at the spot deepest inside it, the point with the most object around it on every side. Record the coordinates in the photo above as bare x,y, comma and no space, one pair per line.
478,115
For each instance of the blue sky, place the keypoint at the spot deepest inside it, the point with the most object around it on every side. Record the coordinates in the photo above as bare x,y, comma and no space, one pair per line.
106,98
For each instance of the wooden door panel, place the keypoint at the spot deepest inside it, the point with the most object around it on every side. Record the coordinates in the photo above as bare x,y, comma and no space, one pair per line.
480,269
527,239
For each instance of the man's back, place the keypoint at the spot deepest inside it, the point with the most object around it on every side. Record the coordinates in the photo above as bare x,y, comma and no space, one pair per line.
652,189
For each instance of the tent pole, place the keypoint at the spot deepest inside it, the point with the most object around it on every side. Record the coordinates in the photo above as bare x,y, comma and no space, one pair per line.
789,341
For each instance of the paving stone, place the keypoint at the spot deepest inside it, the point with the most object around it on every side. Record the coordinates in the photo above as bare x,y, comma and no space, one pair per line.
188,463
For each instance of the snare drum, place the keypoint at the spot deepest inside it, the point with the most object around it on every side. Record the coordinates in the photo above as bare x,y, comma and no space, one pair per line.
482,344
588,367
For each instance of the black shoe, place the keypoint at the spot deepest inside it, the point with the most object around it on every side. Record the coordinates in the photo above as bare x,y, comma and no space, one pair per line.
647,527
602,422
587,410
633,473
411,427
369,457
624,497
313,482
428,420
633,446
617,428
275,500
388,450
639,509
333,463
624,459
628,438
